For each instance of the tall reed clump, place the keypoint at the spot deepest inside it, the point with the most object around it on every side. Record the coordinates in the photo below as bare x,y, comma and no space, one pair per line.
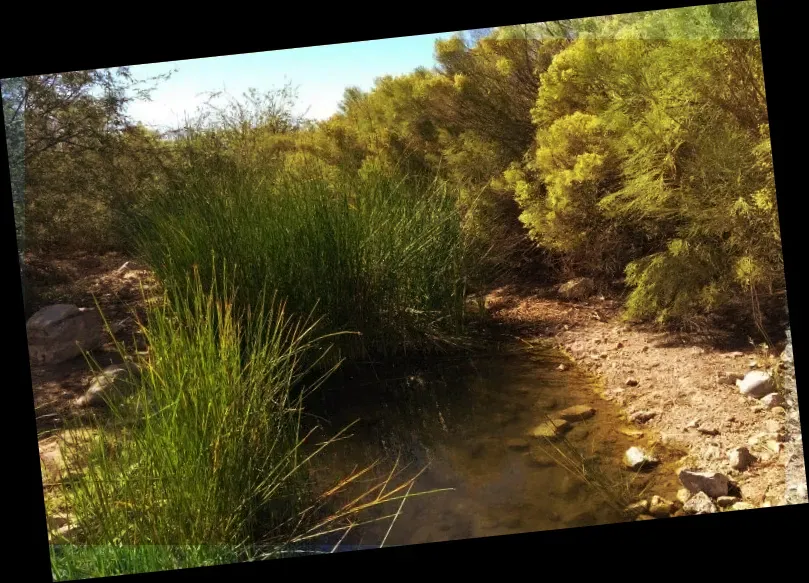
372,254
200,461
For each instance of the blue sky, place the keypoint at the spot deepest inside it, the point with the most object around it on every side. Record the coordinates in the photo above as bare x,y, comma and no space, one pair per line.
320,73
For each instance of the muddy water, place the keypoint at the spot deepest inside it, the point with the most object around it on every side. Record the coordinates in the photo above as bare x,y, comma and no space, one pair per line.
464,422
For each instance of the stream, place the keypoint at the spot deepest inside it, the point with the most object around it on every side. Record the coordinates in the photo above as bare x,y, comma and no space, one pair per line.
466,423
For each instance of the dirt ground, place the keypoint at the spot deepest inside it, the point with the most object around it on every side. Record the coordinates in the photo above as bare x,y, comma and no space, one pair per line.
679,379
115,283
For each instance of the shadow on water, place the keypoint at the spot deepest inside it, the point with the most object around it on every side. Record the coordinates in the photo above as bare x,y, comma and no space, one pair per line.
466,422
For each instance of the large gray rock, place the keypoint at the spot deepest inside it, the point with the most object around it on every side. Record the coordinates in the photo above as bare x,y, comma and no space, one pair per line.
756,383
713,484
577,289
60,332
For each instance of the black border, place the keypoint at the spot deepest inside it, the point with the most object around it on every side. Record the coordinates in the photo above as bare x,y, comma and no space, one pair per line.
78,42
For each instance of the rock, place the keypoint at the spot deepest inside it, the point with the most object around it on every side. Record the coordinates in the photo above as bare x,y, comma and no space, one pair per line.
111,378
642,416
645,517
699,503
742,506
638,508
630,382
726,501
756,384
772,400
713,484
680,512
59,332
552,428
736,354
779,410
562,367
577,289
683,494
517,444
619,346
740,458
660,507
576,413
635,459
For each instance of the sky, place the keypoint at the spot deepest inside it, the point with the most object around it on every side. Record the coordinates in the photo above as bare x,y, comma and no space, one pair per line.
321,75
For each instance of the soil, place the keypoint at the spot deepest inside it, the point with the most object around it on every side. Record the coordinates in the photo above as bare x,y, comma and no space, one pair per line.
678,375
114,282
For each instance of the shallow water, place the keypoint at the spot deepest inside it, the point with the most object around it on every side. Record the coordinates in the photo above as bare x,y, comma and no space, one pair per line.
457,420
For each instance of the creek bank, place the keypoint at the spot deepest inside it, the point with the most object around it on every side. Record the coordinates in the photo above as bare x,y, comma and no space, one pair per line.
730,412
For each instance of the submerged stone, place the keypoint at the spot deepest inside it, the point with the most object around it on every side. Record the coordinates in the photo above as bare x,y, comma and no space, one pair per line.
576,413
549,429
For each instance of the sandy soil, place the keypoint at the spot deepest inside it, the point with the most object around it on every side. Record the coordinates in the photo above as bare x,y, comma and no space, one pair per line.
678,379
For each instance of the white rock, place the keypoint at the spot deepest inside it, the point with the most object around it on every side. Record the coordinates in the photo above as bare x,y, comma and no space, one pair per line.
756,383
635,458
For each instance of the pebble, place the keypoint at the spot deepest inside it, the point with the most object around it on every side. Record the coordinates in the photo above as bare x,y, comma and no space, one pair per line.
742,506
699,503
631,382
636,458
638,508
727,501
642,416
708,430
740,458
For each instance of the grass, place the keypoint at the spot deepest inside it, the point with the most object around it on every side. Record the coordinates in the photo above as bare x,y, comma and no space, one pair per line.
200,461
376,255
